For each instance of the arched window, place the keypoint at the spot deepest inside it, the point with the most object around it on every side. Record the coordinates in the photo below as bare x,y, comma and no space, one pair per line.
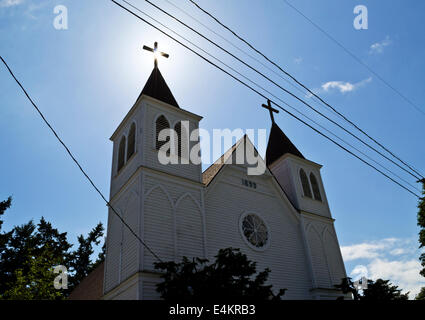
182,140
305,184
131,147
315,186
121,154
161,124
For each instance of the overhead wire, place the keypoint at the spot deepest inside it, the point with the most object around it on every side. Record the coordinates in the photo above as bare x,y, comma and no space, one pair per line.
260,94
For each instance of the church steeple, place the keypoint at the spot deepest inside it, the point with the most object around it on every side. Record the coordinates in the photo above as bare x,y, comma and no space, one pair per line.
157,88
279,144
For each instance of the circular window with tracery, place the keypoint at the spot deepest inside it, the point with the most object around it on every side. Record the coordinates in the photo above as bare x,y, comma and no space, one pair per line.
255,231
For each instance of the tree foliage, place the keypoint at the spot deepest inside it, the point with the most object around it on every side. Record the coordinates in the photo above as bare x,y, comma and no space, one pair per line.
230,276
29,252
421,294
35,279
379,290
421,224
383,290
347,286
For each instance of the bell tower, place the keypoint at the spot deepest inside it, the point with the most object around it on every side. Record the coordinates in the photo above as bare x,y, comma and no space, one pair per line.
162,203
301,180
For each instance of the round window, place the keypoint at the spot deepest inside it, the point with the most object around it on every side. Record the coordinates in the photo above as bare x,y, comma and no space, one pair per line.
255,231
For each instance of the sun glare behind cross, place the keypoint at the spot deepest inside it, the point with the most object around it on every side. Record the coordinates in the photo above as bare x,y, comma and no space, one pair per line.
156,53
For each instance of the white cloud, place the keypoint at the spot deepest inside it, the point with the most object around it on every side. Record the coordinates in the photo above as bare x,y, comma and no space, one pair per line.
398,251
403,273
367,250
344,87
359,271
298,60
10,3
389,259
378,47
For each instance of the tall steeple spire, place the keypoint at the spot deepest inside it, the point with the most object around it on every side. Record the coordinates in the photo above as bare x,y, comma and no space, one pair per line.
279,144
156,87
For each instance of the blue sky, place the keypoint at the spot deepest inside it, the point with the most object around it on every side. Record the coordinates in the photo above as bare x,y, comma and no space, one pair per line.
86,78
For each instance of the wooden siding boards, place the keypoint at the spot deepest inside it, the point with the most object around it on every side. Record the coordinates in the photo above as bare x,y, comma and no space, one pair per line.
158,227
318,255
285,256
149,290
179,211
189,228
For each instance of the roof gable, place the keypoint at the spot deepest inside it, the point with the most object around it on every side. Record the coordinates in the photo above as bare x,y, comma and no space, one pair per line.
209,174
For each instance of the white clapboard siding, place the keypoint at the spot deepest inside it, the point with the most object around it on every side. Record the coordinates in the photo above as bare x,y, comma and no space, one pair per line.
177,216
149,290
131,245
113,252
158,227
318,257
334,257
189,228
286,255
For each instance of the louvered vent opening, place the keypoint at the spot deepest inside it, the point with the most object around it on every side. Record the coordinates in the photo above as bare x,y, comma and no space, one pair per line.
131,141
161,124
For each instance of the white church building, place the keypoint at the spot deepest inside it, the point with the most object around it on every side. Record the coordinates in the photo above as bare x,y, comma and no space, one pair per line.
280,219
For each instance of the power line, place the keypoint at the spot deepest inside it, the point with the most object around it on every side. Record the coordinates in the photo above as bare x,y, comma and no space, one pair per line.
76,161
355,58
306,88
270,93
276,84
235,46
260,94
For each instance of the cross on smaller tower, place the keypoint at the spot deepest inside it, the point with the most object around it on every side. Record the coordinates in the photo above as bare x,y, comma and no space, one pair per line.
268,106
156,53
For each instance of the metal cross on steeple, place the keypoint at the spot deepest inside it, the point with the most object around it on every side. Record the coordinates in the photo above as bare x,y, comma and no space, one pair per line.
156,53
268,106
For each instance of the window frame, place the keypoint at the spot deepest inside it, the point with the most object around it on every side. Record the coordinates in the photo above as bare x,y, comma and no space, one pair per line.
156,133
122,141
303,185
312,175
133,125
247,242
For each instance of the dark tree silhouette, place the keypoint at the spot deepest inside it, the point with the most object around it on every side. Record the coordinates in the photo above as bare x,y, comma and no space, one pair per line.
379,290
421,224
29,252
421,294
230,276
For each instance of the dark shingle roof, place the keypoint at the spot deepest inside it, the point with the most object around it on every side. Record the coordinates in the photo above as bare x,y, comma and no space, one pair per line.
279,144
157,88
209,174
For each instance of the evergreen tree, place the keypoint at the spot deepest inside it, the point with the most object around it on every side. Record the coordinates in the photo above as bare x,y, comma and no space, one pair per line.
35,281
421,294
379,290
29,252
81,259
383,290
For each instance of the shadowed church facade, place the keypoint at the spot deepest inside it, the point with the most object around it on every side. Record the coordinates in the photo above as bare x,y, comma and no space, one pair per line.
280,219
